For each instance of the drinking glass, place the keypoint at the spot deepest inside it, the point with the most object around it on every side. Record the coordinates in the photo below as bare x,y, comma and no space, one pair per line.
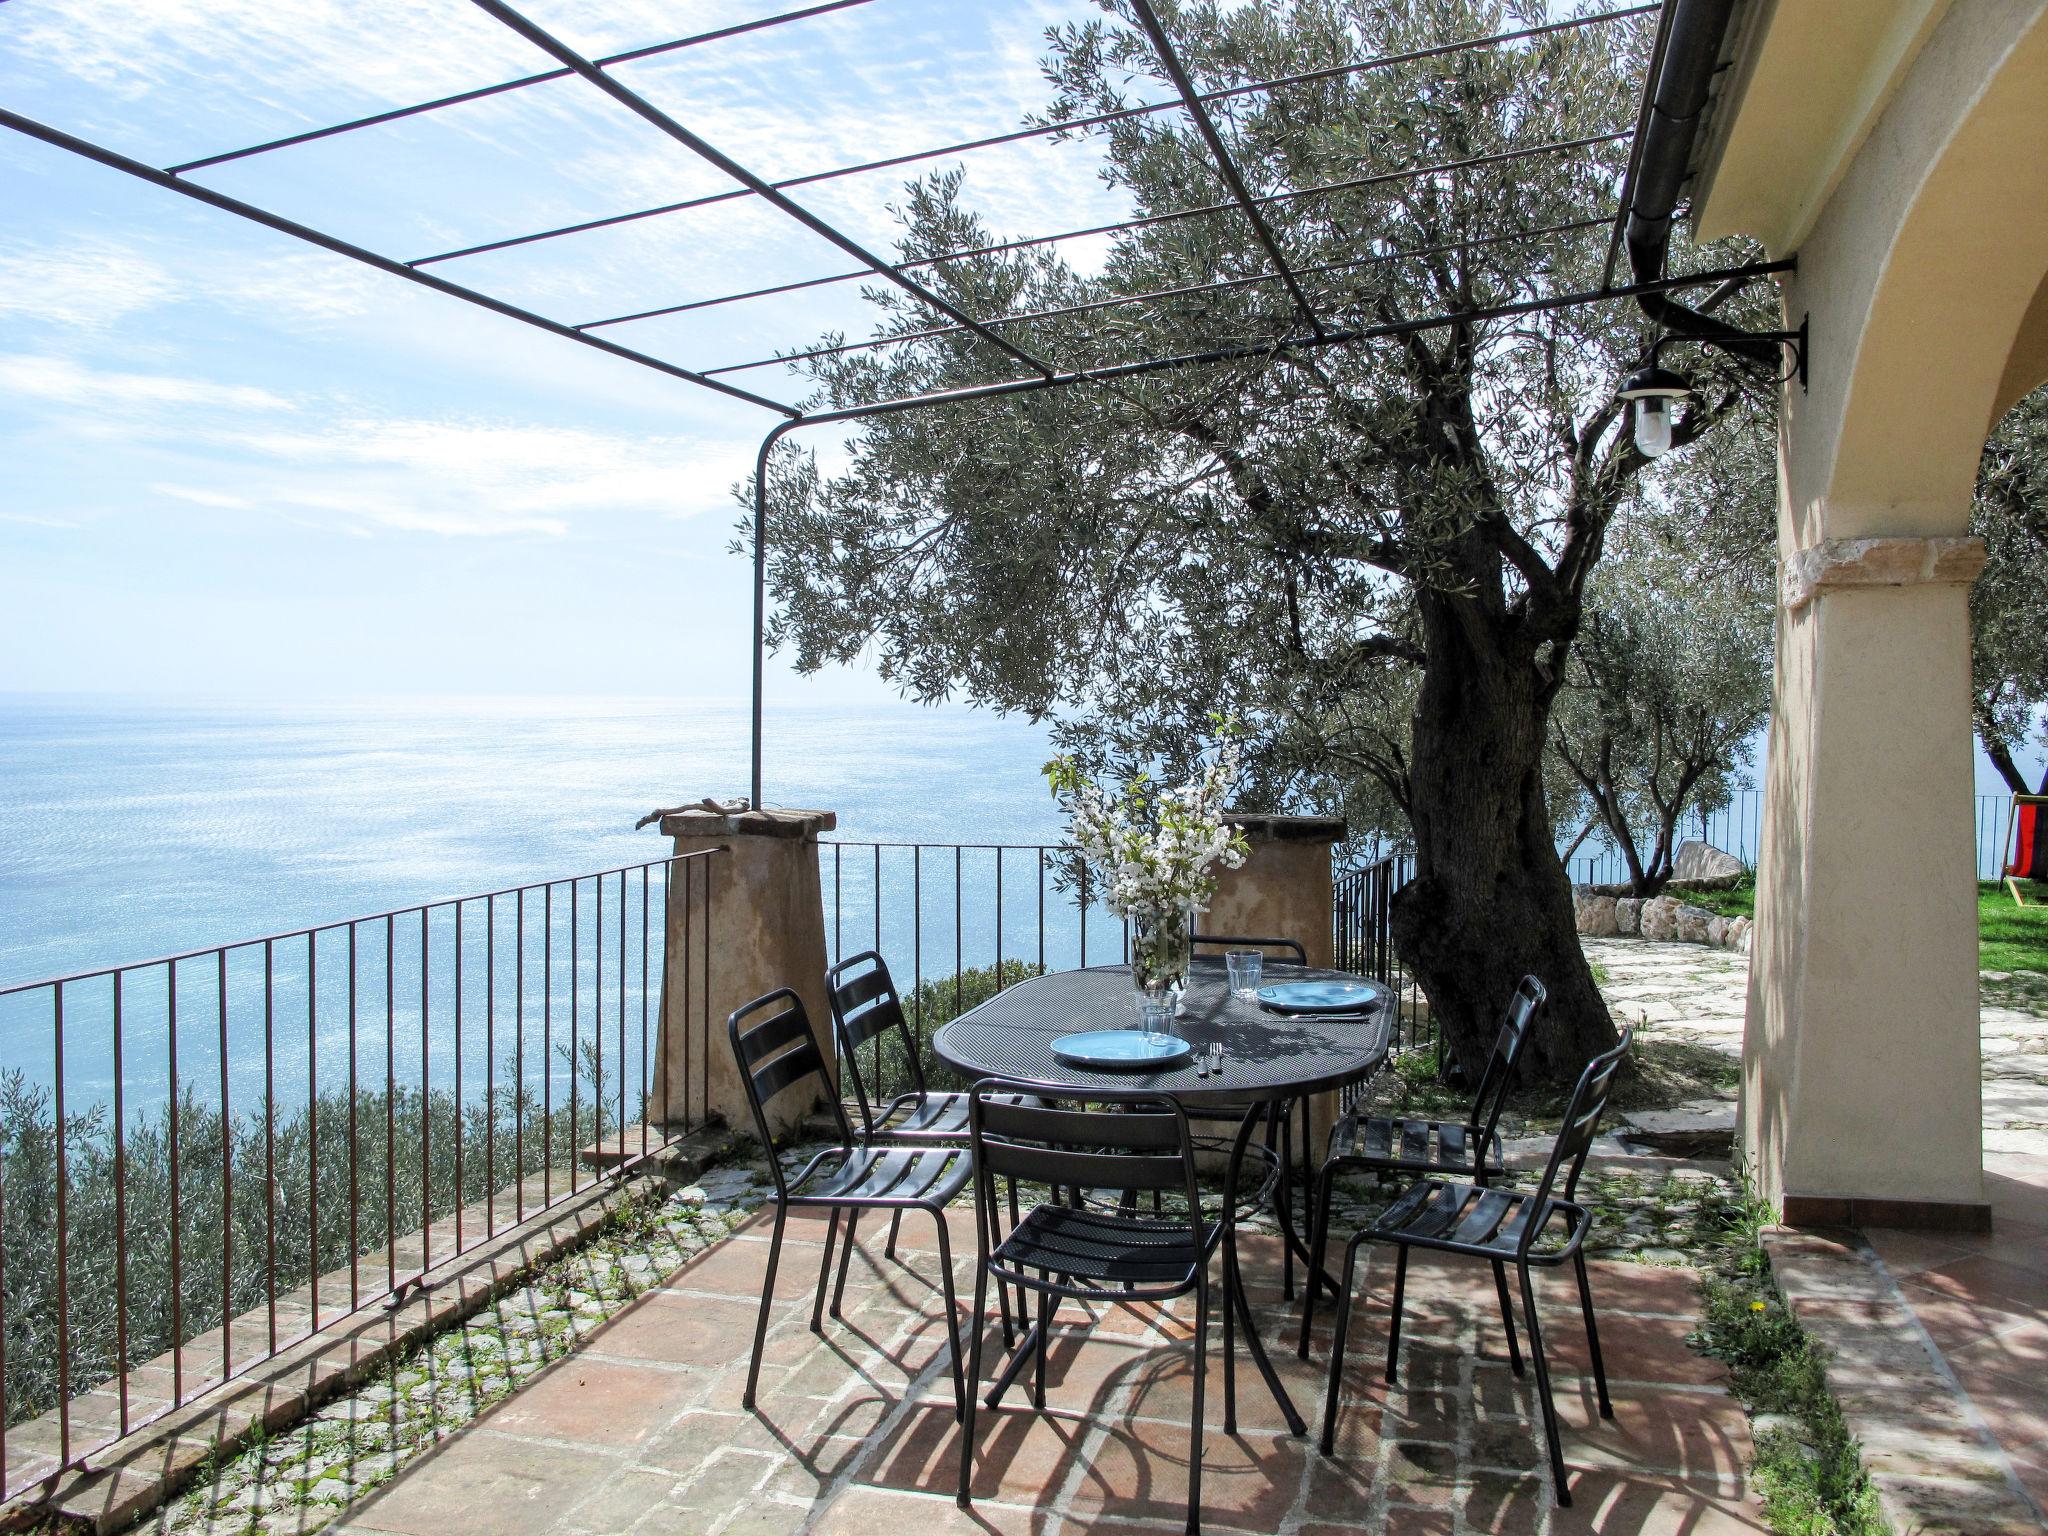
1246,967
1158,1023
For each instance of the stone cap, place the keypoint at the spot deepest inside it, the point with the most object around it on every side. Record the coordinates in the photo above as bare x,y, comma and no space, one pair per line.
1287,829
700,821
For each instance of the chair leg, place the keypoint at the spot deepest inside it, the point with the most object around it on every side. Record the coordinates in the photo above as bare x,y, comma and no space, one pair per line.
973,1384
1229,1351
1592,1336
1557,1472
767,1297
1507,1314
1337,1342
1319,1252
1195,1435
824,1273
895,1226
1400,1296
1044,1342
1279,1133
845,1258
952,1314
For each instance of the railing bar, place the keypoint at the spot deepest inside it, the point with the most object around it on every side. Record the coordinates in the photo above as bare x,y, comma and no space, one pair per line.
120,1239
837,951
355,1198
227,1178
313,1126
426,1099
390,1105
689,976
704,997
999,919
177,1213
490,1066
957,928
460,955
1041,909
270,1141
63,1237
917,933
519,1061
575,1017
646,1063
1084,917
547,1048
621,983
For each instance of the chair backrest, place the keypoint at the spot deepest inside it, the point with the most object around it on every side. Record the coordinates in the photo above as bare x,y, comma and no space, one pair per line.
1120,1141
866,1006
1492,1096
775,1050
1575,1135
1228,941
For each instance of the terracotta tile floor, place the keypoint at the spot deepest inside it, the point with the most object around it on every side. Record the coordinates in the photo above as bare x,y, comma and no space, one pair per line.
1983,1301
643,1429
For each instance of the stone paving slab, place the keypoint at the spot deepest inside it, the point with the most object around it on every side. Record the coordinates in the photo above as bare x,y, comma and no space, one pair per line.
642,1428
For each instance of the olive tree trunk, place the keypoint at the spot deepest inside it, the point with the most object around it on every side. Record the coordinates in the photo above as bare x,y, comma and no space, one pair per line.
1490,901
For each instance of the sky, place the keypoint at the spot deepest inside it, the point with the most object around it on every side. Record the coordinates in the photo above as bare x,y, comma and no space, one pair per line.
231,463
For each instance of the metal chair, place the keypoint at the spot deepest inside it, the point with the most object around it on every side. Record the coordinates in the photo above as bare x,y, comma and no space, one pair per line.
867,1008
1386,1144
1227,941
1501,1227
1125,1141
776,1051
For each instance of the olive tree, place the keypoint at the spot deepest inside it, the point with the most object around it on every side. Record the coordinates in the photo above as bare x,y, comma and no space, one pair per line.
1376,555
1670,678
2009,604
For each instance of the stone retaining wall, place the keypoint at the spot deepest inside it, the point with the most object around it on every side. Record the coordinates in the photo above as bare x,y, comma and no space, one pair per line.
1664,918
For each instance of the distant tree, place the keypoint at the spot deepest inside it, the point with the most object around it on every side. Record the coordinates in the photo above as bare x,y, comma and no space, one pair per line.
1670,678
1376,556
2009,604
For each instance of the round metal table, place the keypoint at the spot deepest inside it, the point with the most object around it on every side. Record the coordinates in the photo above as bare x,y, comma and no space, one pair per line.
1268,1059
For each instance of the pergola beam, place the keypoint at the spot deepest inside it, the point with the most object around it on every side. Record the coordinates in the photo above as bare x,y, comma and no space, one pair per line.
1147,221
480,93
1226,165
115,160
634,102
1100,119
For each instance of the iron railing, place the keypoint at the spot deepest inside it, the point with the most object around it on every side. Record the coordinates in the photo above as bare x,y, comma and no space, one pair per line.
958,922
1737,828
256,1140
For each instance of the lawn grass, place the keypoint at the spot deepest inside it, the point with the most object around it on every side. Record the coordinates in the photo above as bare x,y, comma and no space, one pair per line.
2012,937
2009,937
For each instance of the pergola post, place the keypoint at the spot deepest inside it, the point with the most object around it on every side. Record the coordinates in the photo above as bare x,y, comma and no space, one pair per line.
764,908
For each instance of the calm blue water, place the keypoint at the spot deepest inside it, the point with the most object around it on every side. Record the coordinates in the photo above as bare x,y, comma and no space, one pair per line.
133,829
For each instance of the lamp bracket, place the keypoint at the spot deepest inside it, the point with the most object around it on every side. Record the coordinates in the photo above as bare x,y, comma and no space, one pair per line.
1795,340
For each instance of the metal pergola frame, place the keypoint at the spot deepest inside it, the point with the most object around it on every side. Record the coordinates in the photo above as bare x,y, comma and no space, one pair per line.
1311,329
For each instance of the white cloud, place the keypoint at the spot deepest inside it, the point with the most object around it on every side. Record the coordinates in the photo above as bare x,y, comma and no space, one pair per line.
91,285
44,380
200,496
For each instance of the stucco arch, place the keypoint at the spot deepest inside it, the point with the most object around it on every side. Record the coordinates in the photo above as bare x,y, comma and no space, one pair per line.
1923,276
1925,280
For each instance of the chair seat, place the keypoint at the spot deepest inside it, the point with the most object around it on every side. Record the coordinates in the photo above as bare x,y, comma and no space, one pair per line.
932,1117
1478,1220
1410,1146
929,1176
1103,1248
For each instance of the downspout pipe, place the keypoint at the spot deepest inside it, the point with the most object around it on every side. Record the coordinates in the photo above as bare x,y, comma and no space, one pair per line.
1694,33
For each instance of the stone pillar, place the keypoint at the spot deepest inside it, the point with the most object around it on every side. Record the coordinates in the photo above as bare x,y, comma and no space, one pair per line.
1860,1098
1283,891
764,909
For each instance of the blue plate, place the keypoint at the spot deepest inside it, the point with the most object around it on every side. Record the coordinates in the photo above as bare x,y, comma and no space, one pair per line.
1319,996
1120,1050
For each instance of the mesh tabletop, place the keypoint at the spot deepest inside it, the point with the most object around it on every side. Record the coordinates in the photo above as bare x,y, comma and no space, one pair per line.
1265,1055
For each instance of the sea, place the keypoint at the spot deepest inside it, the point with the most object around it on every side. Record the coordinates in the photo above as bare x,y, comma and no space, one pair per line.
137,828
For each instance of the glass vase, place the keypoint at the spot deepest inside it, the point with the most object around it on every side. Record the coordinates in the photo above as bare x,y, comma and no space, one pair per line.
1162,952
